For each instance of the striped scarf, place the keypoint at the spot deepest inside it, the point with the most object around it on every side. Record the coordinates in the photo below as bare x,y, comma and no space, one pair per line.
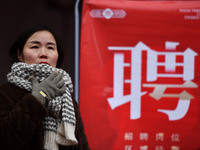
59,128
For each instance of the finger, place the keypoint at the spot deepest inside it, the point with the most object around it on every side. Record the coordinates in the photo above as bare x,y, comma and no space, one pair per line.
52,75
58,78
62,89
61,83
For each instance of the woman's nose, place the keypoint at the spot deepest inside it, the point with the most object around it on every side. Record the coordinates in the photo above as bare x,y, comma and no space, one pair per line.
43,53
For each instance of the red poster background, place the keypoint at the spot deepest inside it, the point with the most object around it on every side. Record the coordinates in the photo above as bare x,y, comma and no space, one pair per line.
153,23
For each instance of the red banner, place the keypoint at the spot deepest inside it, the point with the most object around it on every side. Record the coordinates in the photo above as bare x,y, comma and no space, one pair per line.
139,74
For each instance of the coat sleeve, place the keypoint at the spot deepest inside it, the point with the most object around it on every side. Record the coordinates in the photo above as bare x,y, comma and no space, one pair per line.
19,121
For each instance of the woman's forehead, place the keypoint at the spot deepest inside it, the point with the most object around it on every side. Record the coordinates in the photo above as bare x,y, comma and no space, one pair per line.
42,36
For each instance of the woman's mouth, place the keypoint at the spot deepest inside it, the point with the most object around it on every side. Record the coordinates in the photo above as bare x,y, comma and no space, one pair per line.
43,63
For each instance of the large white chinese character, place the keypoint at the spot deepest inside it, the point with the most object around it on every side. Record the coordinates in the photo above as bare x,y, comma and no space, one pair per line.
170,64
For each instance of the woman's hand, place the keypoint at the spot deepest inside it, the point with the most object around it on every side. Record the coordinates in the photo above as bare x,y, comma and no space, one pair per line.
48,89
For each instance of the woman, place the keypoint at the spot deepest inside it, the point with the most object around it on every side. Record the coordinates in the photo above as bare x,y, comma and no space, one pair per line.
37,110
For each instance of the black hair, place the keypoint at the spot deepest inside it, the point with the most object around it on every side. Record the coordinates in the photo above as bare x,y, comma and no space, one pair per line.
24,36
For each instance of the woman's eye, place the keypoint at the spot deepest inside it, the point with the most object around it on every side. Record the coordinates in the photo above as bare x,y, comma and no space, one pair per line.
34,47
52,48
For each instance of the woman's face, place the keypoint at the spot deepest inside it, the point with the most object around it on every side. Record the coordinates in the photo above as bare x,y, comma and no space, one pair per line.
40,48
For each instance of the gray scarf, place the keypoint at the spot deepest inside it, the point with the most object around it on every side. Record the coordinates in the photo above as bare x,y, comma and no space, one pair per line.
59,129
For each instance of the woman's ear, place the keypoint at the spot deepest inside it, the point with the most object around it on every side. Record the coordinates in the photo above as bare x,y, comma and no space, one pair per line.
20,56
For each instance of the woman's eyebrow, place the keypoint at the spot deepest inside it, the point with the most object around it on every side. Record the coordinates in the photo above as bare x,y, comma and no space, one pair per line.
35,42
51,43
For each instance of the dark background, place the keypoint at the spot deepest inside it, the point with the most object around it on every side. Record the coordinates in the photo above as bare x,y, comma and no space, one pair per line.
17,15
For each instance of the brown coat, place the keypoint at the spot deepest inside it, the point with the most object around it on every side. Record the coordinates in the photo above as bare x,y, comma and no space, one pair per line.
21,116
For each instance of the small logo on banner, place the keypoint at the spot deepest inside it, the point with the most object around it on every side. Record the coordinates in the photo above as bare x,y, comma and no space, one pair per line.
107,13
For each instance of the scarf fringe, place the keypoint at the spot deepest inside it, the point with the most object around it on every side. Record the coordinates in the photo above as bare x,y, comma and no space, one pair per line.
49,140
66,134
